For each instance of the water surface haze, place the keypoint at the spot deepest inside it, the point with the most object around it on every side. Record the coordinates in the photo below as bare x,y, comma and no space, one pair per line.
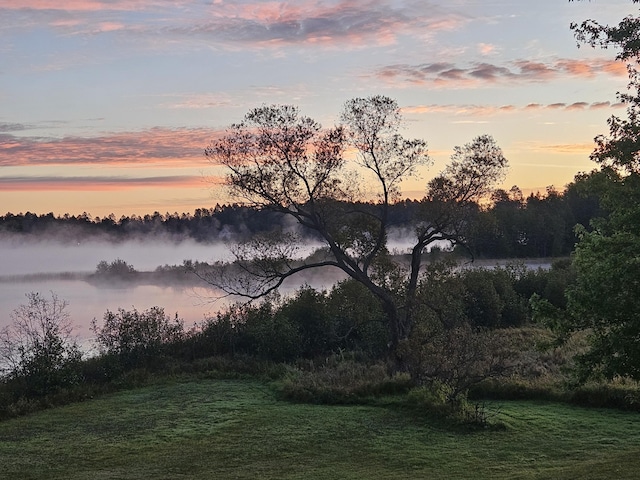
62,268
26,257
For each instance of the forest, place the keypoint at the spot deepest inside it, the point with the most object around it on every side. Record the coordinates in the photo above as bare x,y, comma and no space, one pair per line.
509,225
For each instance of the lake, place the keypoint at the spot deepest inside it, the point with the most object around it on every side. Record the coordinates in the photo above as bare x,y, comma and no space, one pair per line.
37,267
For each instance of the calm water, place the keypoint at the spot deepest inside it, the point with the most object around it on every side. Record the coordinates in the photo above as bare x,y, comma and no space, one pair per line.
88,301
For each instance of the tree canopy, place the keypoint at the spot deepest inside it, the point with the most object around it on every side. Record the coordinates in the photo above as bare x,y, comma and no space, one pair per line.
605,300
280,160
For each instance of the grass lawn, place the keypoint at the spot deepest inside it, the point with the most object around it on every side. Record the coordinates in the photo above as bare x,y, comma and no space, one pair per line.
232,429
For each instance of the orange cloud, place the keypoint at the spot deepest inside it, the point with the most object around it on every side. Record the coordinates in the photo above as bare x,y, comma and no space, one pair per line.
564,148
585,148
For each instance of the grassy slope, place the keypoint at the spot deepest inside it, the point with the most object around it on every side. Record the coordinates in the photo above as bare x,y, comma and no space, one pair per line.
237,429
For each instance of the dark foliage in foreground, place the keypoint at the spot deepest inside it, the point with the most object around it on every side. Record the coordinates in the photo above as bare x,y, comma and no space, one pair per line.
331,347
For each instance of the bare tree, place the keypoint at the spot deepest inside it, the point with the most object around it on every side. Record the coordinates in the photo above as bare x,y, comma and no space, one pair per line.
280,160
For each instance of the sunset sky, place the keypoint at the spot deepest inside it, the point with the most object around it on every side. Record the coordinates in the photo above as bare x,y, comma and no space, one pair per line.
106,106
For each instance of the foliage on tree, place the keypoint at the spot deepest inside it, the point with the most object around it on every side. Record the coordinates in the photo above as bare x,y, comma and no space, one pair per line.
605,300
37,348
135,337
118,269
279,160
619,150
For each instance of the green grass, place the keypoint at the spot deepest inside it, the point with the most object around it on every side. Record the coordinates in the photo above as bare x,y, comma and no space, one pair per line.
232,429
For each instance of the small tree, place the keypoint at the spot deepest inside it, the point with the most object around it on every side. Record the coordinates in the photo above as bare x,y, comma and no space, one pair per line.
38,346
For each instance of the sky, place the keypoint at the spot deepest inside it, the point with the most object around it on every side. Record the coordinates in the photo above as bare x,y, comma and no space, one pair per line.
106,106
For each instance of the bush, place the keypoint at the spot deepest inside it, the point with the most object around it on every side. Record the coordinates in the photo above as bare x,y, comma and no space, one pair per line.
306,325
491,299
616,394
358,322
437,398
137,338
266,333
456,359
308,312
116,269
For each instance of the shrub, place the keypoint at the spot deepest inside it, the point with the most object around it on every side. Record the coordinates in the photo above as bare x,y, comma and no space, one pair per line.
455,359
266,333
491,299
358,322
615,394
308,324
307,312
437,398
137,337
116,269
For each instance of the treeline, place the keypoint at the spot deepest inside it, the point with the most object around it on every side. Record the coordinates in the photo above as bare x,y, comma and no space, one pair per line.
540,225
204,225
511,226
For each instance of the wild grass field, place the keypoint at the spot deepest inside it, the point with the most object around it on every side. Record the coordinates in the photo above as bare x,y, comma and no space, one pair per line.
235,429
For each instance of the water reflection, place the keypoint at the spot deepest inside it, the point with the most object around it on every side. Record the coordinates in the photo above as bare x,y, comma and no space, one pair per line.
87,301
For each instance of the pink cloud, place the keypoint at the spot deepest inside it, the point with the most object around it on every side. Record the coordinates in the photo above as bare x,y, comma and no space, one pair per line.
156,145
198,101
447,75
534,70
490,110
577,106
264,24
97,183
486,48
110,26
80,5
349,22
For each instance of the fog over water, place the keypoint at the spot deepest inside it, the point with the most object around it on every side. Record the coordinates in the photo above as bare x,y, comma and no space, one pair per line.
25,266
61,268
35,266
21,258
